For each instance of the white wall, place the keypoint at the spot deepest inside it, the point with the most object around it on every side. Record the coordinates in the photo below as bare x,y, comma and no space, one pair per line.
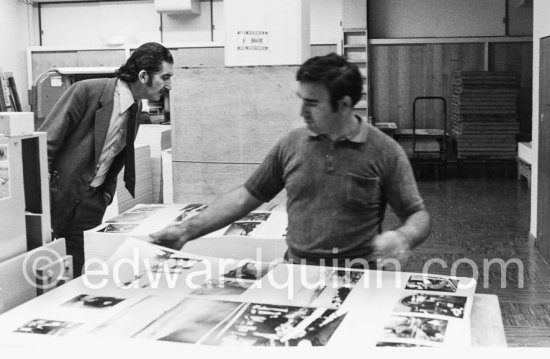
14,39
541,28
97,24
266,32
195,28
325,18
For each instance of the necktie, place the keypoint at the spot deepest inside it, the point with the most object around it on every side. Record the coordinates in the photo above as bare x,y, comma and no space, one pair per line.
130,165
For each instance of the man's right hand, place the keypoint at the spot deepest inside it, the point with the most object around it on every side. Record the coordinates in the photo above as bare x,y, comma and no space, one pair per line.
171,237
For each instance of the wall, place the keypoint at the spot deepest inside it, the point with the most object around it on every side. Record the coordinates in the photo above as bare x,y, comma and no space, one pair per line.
255,34
192,28
96,24
520,18
14,37
541,28
214,156
447,18
325,21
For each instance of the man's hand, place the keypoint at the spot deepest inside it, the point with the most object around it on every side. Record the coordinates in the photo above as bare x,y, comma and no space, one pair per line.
391,245
172,237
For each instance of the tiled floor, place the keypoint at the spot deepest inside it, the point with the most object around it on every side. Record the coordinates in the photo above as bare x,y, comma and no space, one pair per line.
483,216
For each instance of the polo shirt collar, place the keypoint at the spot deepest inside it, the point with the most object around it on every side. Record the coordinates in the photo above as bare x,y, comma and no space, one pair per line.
359,136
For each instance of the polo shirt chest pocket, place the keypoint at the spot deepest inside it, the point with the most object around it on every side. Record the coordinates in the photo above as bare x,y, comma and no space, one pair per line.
362,192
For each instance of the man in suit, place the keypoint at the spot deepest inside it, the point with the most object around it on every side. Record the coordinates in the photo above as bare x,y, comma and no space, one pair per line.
91,131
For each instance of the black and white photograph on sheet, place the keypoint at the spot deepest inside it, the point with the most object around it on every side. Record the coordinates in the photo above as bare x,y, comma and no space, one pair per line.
93,301
326,287
47,326
188,321
172,262
398,345
189,211
273,325
135,314
223,287
245,324
119,227
433,283
158,268
448,305
342,282
256,216
417,328
248,271
242,228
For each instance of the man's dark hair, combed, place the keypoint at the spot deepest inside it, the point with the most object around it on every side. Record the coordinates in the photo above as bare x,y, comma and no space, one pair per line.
340,77
148,57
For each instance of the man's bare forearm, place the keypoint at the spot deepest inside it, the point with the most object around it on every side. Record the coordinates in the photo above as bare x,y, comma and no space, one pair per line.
220,213
417,228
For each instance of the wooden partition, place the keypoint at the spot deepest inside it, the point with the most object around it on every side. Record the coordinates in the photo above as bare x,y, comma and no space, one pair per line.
400,72
224,120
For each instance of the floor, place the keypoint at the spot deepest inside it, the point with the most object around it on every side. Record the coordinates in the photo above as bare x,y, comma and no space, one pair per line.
483,215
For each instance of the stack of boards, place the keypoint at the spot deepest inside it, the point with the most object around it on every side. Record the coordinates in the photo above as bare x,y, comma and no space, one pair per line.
485,115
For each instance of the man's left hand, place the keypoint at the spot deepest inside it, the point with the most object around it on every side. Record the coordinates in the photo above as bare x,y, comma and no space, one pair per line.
391,245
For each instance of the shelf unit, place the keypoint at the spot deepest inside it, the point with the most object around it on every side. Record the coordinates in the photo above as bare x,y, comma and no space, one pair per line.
355,49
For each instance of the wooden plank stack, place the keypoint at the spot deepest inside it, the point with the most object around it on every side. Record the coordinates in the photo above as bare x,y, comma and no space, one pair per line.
484,114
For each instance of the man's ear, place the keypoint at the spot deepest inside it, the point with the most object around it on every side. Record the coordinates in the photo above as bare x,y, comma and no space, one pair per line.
143,76
345,103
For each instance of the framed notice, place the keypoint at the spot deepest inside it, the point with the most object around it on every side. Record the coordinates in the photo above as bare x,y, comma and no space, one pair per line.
252,40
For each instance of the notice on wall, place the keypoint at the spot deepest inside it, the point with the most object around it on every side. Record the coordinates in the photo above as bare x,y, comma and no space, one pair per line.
4,173
252,40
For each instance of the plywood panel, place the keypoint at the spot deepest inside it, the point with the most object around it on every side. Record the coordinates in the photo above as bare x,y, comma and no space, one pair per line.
100,57
517,57
319,50
232,115
203,182
43,61
199,57
543,204
400,73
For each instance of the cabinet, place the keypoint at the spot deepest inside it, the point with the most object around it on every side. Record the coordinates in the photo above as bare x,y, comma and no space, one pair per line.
355,49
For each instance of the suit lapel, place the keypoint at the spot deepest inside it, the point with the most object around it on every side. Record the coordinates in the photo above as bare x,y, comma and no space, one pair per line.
103,116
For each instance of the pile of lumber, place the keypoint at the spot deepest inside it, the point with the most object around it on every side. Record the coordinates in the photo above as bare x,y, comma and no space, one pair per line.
484,114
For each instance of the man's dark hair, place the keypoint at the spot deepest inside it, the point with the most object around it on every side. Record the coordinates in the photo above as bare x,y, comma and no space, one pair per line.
148,57
340,77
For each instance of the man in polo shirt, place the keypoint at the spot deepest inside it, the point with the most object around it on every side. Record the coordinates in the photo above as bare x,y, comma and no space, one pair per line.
339,174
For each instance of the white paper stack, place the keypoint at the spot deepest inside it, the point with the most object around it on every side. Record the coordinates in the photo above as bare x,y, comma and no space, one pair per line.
144,187
167,179
158,137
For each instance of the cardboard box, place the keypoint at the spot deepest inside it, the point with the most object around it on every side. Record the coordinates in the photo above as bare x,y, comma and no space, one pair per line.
16,123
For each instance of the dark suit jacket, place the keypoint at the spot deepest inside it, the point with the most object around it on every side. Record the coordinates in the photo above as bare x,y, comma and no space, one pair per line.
76,131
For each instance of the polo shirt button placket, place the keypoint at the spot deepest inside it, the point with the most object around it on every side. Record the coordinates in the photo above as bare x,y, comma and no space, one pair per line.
330,158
